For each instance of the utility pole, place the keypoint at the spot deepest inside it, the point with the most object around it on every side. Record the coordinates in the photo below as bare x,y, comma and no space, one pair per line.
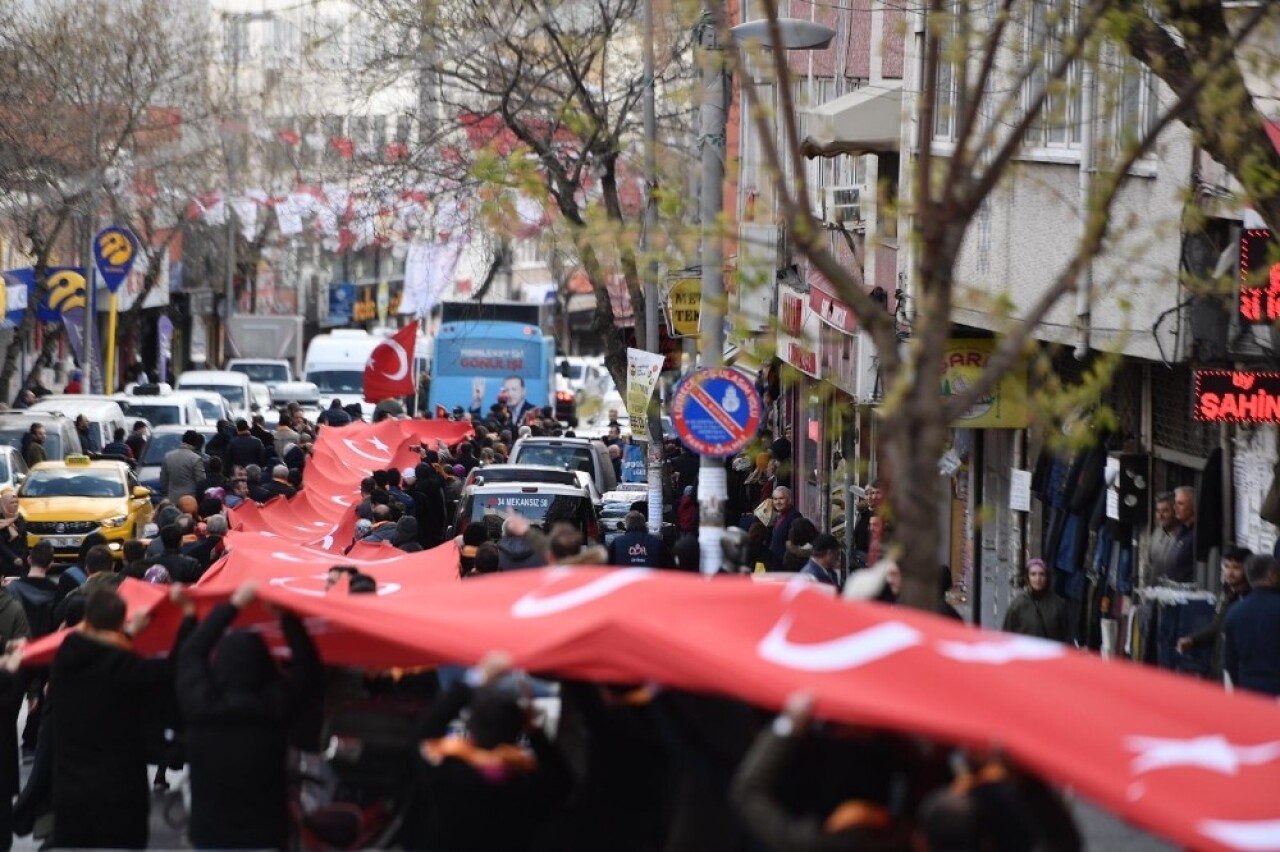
90,318
650,266
712,483
234,31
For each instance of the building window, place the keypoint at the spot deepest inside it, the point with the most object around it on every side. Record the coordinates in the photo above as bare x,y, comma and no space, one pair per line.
324,42
286,42
331,127
1137,111
1051,24
359,132
948,99
235,39
377,136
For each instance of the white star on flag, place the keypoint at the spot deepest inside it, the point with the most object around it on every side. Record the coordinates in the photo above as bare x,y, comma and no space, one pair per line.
381,447
1214,753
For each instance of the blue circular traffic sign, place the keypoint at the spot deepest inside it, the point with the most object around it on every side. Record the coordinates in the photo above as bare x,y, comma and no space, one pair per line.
716,412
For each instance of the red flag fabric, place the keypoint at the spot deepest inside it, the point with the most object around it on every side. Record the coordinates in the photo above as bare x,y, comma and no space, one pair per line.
344,146
389,372
1175,755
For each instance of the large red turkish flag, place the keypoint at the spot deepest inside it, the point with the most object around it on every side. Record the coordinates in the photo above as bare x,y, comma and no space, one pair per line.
389,371
1178,756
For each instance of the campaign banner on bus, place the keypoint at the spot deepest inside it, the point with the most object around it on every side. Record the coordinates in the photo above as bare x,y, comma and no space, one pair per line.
643,369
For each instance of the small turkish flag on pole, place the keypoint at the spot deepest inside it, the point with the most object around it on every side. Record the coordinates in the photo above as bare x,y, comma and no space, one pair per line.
389,370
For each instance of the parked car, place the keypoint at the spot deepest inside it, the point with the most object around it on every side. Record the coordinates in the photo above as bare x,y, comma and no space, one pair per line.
260,402
542,504
60,437
233,386
105,414
529,473
569,454
64,501
213,406
173,408
269,371
13,469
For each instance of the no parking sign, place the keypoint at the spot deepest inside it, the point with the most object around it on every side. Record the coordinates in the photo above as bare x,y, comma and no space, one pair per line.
716,412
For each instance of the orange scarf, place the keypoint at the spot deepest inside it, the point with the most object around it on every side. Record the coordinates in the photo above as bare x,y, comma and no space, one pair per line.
107,637
496,764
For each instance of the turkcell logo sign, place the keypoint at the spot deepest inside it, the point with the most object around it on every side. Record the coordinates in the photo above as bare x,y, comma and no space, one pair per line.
114,250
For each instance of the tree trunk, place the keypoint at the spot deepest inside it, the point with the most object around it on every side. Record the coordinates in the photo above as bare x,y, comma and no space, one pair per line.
916,426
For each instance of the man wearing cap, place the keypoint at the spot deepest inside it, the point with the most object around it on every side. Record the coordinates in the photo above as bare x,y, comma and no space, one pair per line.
825,560
182,469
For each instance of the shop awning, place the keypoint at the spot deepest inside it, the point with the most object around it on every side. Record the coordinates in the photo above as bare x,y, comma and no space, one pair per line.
865,121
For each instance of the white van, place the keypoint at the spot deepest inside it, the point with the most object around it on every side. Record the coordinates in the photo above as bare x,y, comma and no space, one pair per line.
233,386
176,408
105,415
269,371
335,365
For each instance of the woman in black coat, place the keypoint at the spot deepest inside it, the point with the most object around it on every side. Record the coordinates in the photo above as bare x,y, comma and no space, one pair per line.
239,710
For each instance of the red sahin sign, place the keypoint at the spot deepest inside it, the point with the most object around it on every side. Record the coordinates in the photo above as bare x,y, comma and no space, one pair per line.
1234,396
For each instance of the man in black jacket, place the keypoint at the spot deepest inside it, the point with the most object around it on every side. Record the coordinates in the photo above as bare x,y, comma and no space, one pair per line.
278,485
468,780
239,709
182,568
244,449
96,687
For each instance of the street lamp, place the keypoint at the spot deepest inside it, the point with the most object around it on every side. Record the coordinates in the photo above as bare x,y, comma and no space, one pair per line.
795,35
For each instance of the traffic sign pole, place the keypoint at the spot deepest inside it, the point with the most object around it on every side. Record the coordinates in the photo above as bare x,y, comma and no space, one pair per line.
716,413
712,483
110,378
114,251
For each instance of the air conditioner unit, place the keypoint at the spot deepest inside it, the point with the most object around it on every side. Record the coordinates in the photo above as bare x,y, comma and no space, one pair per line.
846,206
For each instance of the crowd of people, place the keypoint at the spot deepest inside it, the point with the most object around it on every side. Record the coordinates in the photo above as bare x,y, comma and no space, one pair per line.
625,766
629,766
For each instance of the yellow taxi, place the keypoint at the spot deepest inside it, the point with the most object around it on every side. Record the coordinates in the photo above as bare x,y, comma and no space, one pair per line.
64,501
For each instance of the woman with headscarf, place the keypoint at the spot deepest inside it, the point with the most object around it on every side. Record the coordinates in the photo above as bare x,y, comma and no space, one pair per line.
239,710
1038,611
